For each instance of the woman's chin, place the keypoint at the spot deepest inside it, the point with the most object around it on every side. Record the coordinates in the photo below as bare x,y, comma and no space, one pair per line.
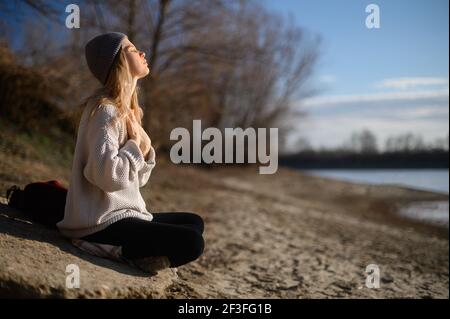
143,75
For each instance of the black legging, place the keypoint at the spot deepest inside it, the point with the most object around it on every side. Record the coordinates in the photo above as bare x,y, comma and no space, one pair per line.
177,235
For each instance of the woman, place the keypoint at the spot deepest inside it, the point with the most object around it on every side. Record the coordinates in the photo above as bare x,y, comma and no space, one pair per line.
113,159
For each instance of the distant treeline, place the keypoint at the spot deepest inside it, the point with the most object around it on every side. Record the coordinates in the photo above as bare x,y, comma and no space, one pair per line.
348,160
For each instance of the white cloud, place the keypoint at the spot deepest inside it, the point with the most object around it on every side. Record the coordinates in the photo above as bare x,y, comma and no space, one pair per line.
411,82
398,111
327,78
421,112
327,101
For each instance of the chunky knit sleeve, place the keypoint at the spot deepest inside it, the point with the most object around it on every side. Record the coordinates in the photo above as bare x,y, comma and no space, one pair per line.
145,172
109,167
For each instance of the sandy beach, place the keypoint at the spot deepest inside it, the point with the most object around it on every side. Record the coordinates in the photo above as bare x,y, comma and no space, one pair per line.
287,235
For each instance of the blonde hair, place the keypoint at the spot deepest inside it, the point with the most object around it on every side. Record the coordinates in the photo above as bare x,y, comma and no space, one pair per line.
115,91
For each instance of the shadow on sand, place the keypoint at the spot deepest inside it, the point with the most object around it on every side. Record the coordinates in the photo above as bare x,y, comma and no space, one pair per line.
16,223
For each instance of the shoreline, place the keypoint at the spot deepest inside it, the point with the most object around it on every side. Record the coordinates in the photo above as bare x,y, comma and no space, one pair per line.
370,178
430,212
385,202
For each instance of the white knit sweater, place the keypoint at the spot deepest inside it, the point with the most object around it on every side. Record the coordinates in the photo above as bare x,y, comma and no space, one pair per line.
107,171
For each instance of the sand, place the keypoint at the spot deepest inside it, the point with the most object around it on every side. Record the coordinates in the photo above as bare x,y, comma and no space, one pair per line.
286,235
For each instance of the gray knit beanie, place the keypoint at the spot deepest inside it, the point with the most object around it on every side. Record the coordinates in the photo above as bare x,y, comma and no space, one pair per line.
100,53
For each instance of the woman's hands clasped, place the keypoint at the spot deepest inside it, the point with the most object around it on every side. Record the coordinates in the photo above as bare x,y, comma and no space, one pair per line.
138,134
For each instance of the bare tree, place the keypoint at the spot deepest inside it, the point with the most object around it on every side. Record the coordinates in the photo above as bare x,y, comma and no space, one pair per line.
227,62
410,142
364,142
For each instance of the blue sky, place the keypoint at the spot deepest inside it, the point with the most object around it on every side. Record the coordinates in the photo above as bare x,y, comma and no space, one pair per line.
391,80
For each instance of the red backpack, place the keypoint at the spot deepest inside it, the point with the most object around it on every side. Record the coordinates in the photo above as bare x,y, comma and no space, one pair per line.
43,202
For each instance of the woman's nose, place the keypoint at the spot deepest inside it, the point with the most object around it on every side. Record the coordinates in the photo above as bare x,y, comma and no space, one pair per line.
143,54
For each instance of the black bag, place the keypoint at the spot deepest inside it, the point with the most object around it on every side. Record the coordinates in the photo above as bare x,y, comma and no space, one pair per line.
43,202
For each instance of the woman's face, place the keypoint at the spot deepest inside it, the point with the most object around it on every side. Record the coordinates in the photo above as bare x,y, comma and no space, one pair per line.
136,59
